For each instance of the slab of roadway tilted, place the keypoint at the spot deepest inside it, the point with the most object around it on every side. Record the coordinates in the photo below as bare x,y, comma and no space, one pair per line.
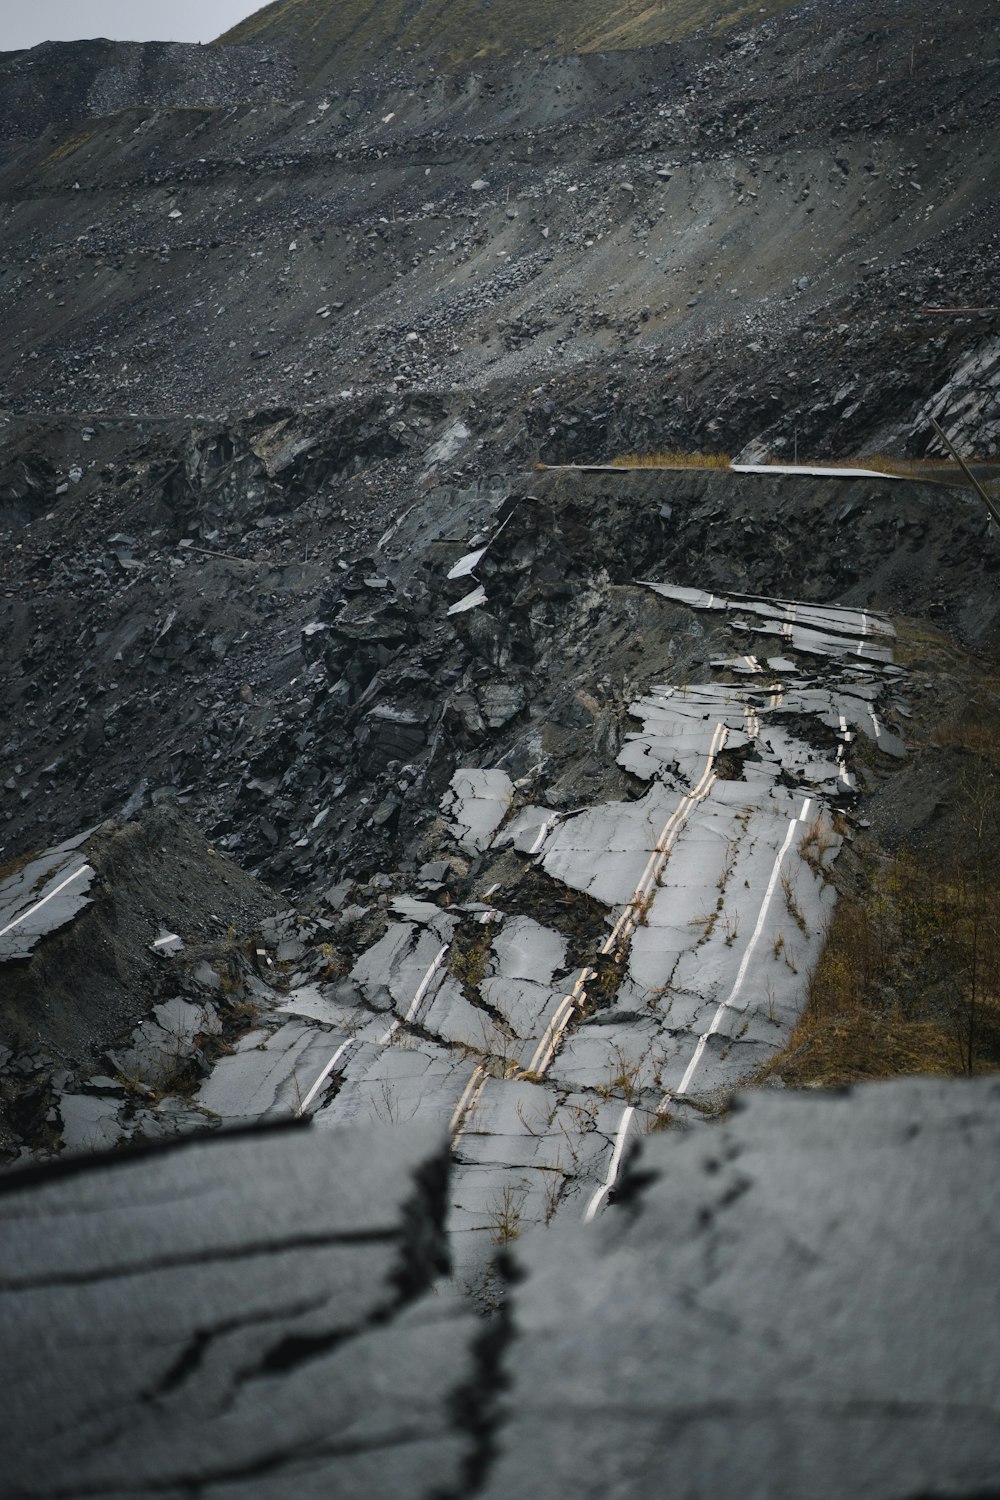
707,897
798,1301
243,1315
41,897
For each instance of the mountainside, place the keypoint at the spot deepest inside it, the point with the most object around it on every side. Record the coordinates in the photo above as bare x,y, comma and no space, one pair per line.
59,82
710,244
499,648
329,39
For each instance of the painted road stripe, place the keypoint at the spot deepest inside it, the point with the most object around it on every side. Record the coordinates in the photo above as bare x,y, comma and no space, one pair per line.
745,963
467,1104
351,1042
386,1036
70,879
616,1158
626,923
543,833
424,984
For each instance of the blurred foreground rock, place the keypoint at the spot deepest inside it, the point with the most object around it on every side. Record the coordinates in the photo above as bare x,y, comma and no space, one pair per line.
797,1301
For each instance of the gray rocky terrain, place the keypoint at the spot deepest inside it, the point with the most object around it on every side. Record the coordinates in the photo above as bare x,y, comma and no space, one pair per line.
417,829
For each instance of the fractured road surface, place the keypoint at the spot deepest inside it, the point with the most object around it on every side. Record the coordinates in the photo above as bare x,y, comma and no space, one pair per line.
41,896
800,1301
714,887
657,961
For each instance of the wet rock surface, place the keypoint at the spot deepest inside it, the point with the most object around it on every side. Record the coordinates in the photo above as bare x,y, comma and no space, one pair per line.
263,1307
268,1309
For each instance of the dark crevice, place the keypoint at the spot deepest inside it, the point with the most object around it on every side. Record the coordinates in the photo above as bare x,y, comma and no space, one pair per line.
191,1358
475,1406
423,1256
281,1459
44,1173
204,1257
189,1361
298,1349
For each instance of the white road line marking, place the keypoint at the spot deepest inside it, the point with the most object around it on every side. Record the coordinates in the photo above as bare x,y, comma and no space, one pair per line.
745,963
545,1051
670,829
842,770
424,984
876,726
83,870
543,833
616,1157
557,1024
466,1105
864,631
386,1036
460,1106
325,1075
171,937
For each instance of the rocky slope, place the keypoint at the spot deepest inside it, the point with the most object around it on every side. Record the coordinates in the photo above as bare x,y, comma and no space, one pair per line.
356,766
385,298
332,40
62,82
723,241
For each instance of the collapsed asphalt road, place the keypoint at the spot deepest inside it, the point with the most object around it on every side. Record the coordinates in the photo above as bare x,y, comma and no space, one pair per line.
269,1312
467,831
613,966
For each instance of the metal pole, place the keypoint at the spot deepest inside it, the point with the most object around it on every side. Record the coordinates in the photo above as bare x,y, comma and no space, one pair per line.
994,513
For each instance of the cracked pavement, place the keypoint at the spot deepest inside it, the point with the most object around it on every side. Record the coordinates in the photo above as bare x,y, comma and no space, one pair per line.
243,1314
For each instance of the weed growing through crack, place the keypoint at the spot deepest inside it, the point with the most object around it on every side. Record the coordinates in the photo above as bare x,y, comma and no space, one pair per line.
554,1186
505,1211
622,1080
499,1050
643,907
792,905
815,844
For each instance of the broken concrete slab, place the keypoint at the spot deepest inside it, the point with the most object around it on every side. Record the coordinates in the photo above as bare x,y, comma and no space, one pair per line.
754,1322
477,803
227,1288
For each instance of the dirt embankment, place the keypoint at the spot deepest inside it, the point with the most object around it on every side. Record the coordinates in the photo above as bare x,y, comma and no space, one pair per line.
85,987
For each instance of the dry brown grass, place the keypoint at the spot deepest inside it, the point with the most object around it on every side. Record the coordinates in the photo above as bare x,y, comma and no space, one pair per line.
857,1047
672,459
909,977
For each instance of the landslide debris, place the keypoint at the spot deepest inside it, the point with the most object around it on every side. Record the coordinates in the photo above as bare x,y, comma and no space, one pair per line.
783,237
